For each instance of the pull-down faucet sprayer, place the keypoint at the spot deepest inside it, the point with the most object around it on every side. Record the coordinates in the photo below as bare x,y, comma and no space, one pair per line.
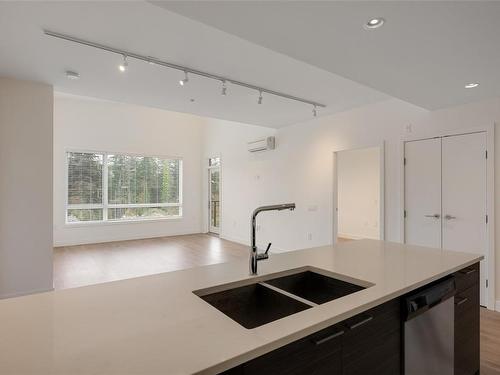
254,255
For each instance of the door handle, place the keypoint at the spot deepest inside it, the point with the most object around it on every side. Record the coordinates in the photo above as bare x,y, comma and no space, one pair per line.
449,217
435,216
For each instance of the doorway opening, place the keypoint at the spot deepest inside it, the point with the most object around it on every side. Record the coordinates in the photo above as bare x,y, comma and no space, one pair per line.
358,194
214,196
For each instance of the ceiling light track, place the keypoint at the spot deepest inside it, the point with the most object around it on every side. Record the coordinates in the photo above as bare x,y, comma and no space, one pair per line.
186,70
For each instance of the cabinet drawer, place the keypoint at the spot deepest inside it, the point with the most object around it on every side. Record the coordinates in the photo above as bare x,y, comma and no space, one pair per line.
368,343
379,356
318,354
466,300
372,343
372,323
467,331
467,277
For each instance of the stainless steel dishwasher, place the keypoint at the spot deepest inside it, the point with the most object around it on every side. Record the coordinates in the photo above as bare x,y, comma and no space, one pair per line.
429,330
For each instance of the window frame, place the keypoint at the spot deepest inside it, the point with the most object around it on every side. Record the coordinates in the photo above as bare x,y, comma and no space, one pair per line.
105,205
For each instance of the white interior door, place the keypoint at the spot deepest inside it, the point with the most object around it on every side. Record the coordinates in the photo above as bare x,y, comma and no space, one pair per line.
464,197
423,192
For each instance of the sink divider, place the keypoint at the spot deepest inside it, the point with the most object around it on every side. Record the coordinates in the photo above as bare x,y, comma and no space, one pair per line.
284,292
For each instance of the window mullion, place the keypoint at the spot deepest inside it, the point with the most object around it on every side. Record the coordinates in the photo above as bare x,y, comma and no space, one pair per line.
105,187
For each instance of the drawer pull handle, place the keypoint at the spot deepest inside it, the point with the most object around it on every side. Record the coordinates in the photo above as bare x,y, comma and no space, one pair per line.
328,338
468,271
461,302
359,324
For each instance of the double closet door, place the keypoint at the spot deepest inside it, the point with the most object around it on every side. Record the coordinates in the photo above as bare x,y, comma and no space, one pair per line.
445,195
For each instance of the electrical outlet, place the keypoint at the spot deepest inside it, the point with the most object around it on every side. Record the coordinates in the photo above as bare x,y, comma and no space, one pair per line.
309,236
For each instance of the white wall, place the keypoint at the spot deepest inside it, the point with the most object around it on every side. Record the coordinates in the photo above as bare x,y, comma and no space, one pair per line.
358,192
301,168
25,187
245,175
90,124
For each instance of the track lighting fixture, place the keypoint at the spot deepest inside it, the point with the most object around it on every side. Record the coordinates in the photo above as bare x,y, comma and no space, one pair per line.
315,111
124,65
165,64
182,82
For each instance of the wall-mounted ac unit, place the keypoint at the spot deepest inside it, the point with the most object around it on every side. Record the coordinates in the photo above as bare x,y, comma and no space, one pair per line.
263,144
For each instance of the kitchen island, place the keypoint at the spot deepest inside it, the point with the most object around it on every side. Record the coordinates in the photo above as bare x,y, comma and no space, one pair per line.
157,325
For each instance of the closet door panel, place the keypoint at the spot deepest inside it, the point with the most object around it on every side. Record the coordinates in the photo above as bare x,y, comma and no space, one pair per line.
423,192
464,196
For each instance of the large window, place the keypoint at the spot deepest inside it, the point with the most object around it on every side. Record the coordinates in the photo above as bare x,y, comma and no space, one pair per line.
117,187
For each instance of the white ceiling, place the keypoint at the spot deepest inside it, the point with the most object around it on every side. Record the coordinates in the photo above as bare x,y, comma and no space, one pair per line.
424,54
146,29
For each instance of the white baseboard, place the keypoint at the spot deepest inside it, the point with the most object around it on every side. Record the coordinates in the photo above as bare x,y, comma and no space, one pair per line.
246,242
349,236
235,239
20,294
87,241
355,237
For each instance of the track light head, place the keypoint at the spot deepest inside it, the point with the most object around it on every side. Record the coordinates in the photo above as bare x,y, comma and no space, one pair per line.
124,65
315,111
224,88
260,98
182,82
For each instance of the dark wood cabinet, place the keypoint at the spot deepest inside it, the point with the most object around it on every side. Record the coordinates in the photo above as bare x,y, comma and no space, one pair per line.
372,343
369,343
467,321
317,354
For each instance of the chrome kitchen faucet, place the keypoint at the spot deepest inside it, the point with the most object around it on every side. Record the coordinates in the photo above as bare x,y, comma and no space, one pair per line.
254,255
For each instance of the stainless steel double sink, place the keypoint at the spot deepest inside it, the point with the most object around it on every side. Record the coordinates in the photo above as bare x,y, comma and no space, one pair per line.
278,295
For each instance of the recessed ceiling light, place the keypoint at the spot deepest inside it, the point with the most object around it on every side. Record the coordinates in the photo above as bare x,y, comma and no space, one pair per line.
471,85
374,23
72,75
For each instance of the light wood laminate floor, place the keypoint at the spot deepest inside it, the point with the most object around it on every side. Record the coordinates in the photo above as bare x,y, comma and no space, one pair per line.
490,342
97,263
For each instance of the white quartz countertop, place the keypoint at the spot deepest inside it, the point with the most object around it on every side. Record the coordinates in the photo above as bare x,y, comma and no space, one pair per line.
156,325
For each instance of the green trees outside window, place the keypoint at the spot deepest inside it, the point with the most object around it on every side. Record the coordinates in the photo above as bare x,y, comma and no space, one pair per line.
138,187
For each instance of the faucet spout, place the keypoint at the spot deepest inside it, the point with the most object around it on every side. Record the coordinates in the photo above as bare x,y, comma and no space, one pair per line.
254,255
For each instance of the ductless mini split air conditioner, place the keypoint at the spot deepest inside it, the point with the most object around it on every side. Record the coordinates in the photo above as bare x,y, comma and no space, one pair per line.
263,144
